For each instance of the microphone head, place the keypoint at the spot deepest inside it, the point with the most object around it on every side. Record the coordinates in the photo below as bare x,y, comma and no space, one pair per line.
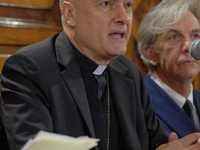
195,49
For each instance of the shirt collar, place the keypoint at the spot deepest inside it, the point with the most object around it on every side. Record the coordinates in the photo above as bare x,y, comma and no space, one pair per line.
88,65
99,70
179,99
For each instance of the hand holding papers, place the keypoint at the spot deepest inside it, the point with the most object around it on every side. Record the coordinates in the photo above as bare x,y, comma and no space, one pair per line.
52,141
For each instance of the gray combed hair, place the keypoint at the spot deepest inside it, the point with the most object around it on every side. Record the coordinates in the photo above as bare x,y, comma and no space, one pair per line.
62,18
159,19
61,1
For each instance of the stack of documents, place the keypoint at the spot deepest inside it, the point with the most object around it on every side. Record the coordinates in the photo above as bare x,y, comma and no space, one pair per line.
52,141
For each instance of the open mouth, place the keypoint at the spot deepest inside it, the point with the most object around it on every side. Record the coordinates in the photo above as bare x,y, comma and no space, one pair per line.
117,35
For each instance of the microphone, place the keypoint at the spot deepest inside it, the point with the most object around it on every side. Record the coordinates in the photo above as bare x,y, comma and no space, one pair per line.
195,49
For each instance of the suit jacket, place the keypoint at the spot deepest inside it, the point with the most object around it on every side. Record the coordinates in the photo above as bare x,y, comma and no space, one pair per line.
3,140
171,116
42,89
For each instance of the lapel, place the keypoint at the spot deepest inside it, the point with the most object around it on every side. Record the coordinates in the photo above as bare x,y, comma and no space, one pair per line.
196,95
120,85
72,77
168,111
123,92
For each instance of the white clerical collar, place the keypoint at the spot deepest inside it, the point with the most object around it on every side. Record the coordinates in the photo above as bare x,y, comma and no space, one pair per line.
179,99
99,70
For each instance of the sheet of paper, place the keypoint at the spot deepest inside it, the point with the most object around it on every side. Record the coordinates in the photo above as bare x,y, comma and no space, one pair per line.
52,141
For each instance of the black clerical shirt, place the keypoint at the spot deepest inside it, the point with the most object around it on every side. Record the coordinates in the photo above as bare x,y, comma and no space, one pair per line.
98,108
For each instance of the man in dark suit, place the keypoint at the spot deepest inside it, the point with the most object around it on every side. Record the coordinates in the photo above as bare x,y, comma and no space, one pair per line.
54,86
175,25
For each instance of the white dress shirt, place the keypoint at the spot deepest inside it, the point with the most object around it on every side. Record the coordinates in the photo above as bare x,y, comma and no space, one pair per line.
178,99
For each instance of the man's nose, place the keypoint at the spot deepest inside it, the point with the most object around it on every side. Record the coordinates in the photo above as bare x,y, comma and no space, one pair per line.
186,46
121,15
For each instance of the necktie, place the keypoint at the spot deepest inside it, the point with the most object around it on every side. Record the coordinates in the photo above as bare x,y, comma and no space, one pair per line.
102,82
188,108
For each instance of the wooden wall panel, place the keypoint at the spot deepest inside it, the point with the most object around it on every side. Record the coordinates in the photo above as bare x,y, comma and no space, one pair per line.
43,15
3,58
23,36
42,4
22,25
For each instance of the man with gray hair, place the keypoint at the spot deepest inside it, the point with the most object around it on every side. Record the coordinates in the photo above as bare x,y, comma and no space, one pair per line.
165,36
79,83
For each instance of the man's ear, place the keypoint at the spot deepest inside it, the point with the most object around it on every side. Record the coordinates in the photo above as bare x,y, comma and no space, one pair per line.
68,13
152,55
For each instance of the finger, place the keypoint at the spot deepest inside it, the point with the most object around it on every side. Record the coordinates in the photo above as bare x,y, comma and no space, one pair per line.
191,139
83,137
193,147
172,137
198,141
